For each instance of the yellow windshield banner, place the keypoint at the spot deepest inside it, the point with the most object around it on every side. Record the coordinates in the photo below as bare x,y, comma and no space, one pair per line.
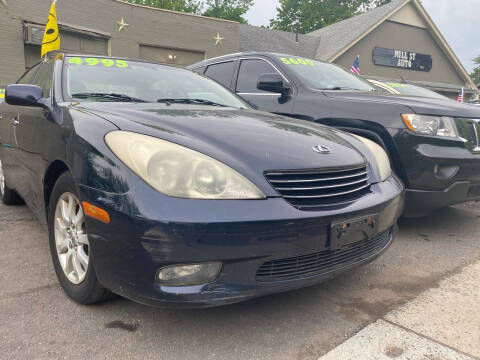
51,37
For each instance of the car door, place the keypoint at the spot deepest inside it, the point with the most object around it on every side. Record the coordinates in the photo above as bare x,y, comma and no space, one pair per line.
9,140
249,71
28,136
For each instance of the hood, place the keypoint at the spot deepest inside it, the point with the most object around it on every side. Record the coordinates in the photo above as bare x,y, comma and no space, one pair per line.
249,141
419,105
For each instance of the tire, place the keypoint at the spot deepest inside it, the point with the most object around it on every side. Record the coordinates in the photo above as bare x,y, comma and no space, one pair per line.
69,245
8,196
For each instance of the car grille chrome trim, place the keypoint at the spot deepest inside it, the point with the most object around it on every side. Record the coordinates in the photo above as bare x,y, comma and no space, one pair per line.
312,180
323,262
322,187
326,196
311,189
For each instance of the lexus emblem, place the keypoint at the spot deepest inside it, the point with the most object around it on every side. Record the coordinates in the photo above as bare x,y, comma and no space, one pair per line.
321,149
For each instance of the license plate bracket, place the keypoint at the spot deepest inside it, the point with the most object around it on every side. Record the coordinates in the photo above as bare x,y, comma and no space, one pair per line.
350,231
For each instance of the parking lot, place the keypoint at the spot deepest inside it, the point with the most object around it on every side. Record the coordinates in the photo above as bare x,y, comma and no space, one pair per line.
37,320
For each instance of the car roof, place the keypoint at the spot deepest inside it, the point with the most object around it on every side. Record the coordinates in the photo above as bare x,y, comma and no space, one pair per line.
240,54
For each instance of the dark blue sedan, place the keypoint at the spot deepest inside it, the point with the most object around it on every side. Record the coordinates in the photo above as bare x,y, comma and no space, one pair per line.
162,186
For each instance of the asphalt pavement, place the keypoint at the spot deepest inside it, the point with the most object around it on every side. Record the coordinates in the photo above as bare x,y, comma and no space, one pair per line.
37,321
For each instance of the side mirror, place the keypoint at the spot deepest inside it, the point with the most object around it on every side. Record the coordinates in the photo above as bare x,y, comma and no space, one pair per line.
23,95
273,83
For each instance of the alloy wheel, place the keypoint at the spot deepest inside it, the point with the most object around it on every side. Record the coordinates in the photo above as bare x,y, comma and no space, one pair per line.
2,180
71,240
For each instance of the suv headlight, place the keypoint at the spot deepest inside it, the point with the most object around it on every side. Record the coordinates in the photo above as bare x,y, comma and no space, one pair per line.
443,126
381,157
178,171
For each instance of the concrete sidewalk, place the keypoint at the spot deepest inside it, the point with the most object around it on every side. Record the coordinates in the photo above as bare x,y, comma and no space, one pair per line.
441,323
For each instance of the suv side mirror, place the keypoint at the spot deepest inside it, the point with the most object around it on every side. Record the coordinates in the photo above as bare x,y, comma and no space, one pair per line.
23,95
273,83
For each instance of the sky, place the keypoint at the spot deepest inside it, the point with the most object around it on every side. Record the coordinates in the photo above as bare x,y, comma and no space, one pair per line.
456,20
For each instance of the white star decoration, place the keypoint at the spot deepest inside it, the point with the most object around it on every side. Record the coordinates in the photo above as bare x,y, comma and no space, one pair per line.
218,39
122,25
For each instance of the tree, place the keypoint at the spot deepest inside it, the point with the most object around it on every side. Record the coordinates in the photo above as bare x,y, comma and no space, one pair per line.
187,6
475,75
306,16
228,9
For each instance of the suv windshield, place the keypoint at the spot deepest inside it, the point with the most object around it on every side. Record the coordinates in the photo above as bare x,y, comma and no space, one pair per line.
115,80
324,76
407,89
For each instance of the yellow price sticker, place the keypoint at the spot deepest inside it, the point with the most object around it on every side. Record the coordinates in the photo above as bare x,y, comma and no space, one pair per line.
98,61
297,61
2,93
397,85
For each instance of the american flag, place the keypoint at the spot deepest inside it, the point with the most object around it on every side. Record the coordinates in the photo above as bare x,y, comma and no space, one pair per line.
356,66
460,96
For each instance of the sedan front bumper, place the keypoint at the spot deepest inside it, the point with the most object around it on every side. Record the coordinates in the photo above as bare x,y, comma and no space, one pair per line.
149,231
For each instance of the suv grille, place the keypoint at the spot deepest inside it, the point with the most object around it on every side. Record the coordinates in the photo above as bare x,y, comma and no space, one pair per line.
311,189
322,262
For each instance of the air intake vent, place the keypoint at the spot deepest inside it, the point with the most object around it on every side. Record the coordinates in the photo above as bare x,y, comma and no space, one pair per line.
322,262
311,189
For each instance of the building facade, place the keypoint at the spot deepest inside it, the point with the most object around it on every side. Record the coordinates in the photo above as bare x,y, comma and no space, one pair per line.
395,42
110,27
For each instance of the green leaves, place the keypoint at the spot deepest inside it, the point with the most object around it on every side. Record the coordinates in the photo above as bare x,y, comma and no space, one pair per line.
228,9
220,9
187,6
306,16
475,75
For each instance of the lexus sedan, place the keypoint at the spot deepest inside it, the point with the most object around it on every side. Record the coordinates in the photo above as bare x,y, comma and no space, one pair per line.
161,185
433,144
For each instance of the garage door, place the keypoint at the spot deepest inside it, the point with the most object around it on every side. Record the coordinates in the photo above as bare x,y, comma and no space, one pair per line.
179,57
71,42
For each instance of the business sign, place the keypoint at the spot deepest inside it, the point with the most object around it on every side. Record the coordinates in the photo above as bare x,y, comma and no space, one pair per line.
402,59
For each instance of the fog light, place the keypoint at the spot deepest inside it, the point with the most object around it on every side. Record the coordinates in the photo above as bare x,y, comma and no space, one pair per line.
185,275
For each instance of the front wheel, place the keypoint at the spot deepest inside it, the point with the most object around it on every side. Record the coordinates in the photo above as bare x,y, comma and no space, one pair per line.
8,196
70,247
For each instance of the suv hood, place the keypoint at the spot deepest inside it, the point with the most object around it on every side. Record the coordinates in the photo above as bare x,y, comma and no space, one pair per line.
419,105
251,142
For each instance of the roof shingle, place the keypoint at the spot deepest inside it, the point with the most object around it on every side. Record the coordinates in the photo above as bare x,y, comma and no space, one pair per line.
335,37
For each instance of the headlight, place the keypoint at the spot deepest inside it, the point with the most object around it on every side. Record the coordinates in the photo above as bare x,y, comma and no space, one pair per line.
442,126
381,157
177,171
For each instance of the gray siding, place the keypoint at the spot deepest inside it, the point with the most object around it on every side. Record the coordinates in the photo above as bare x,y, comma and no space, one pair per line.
254,38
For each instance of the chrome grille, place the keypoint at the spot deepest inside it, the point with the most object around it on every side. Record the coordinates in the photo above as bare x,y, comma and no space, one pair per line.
311,189
322,262
469,130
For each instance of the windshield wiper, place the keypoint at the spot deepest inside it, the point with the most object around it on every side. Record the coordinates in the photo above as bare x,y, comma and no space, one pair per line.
109,96
190,101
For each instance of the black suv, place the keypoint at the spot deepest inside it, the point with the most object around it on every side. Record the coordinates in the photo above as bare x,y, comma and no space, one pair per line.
433,144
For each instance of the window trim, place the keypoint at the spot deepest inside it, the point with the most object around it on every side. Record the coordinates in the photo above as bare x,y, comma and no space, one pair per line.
262,93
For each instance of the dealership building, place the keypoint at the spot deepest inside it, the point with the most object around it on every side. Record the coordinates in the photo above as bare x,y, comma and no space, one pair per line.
395,42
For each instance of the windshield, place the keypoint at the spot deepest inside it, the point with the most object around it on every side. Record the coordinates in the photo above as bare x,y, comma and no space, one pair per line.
106,79
324,76
407,89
